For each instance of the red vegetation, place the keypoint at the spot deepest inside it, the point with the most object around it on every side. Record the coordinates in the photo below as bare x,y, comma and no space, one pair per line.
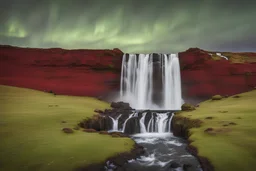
69,72
203,77
97,72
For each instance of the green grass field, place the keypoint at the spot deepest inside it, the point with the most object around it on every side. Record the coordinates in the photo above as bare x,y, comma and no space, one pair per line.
229,146
31,138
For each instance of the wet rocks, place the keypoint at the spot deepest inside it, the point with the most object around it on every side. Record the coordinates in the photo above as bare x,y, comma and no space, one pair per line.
186,167
121,105
102,120
132,126
174,165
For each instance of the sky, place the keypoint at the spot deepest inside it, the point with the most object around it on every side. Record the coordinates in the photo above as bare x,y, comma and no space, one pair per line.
134,26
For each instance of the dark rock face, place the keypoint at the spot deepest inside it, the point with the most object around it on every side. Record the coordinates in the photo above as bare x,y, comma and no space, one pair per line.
121,105
174,165
102,120
132,126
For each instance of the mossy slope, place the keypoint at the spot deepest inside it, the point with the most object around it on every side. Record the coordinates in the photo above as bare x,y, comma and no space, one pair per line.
230,145
31,136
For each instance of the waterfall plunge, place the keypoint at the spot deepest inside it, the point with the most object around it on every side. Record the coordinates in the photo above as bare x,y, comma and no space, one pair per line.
137,80
115,123
160,123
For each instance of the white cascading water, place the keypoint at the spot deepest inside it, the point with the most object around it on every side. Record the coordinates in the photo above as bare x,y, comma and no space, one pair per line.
115,123
161,124
124,125
136,86
142,123
170,123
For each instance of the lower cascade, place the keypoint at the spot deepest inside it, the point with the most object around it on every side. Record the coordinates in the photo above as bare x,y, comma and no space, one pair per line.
143,122
163,151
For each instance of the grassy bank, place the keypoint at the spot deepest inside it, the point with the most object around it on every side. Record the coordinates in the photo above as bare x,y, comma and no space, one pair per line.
230,143
31,137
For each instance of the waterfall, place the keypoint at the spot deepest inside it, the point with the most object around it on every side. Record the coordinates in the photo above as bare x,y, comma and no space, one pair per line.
138,83
150,125
115,123
124,125
142,123
170,123
161,123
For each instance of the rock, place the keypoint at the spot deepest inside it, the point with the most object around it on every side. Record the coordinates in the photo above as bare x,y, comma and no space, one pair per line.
232,123
186,167
209,117
174,165
90,130
236,96
217,97
63,121
225,125
120,105
132,126
208,130
187,107
98,111
68,130
197,105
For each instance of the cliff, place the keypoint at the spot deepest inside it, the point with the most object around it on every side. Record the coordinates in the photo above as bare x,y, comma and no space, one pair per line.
69,72
97,72
205,73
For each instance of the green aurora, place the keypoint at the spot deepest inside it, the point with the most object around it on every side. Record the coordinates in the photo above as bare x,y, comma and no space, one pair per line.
142,27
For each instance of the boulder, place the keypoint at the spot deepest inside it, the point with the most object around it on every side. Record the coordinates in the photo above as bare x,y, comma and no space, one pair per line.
187,107
217,97
68,130
174,165
120,105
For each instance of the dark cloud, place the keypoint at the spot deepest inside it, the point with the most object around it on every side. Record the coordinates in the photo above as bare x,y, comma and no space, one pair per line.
133,26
